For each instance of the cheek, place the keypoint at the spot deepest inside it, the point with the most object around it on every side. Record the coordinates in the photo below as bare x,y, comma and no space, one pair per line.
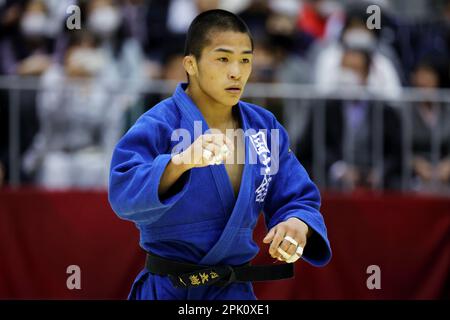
210,73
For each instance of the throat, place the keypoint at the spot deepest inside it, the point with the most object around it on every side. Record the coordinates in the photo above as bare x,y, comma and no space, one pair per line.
216,114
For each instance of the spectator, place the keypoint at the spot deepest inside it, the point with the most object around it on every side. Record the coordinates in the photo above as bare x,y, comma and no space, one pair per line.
105,21
80,119
383,78
28,52
350,135
431,133
288,45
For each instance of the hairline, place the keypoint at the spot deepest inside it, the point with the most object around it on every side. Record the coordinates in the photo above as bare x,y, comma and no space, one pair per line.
216,29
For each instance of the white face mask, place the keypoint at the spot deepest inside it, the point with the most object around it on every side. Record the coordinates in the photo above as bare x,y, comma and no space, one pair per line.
104,21
348,77
359,38
34,24
90,60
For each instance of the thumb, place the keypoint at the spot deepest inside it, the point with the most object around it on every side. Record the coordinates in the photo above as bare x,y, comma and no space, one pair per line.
269,237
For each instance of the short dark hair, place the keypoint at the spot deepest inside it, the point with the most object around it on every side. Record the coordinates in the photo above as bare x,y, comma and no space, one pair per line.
206,22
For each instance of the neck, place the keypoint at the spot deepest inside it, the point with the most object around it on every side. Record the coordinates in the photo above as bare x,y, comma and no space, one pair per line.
216,114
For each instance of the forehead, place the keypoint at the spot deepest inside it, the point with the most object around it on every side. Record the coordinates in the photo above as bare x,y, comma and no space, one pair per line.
235,41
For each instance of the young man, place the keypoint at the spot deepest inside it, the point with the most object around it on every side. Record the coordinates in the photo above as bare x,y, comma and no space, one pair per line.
195,213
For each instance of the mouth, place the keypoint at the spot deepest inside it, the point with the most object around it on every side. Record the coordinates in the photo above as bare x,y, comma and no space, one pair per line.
234,90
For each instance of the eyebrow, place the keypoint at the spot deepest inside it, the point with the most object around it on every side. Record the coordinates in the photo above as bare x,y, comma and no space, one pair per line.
231,51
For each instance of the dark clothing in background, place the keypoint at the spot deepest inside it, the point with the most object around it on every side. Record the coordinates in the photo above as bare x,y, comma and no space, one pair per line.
342,125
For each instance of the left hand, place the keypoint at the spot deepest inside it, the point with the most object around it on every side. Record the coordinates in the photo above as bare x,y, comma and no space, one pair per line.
294,228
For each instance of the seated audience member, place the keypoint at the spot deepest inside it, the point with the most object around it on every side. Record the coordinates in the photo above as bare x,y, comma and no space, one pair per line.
350,133
430,133
80,116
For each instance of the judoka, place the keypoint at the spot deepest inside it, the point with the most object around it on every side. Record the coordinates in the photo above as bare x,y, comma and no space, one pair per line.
194,188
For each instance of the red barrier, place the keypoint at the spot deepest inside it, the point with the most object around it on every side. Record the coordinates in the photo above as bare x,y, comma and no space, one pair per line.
43,233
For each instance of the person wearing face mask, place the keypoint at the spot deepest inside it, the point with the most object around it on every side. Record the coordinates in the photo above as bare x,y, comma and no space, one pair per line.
104,19
350,134
383,78
128,69
79,119
27,52
34,23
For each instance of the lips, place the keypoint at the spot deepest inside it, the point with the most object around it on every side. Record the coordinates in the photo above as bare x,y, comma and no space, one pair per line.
234,89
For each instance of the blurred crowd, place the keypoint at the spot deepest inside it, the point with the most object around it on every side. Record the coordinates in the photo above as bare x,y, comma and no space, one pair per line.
68,127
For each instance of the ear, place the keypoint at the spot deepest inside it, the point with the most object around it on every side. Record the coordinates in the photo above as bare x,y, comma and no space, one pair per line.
190,65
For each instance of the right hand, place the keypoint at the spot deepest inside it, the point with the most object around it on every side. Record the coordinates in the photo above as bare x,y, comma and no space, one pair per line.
195,155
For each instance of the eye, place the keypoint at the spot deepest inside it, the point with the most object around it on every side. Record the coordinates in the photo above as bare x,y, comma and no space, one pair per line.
223,59
245,60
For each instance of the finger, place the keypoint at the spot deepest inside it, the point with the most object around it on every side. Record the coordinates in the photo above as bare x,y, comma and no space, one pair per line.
221,139
220,155
211,139
277,239
207,154
299,251
290,243
218,138
284,255
293,258
212,147
268,238
210,153
219,146
207,137
288,247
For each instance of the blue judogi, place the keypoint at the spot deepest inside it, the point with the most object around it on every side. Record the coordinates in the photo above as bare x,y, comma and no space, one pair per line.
201,221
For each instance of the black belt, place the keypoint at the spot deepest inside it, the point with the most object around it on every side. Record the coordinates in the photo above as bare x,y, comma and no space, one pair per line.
186,275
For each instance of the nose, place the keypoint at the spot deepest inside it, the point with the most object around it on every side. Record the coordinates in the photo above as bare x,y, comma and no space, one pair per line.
234,71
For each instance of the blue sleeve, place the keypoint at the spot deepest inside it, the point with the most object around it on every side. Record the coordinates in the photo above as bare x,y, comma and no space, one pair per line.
137,164
293,194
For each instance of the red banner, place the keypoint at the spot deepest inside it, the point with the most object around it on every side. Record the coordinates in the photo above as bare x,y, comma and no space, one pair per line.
403,242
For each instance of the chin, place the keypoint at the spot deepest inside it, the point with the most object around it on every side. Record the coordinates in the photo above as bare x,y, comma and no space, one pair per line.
232,102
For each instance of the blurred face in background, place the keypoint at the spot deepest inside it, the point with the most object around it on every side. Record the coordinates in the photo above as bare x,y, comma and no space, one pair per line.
33,23
357,35
104,18
84,59
425,77
354,68
173,69
264,63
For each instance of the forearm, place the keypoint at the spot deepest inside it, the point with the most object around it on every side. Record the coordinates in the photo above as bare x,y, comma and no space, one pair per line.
172,173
